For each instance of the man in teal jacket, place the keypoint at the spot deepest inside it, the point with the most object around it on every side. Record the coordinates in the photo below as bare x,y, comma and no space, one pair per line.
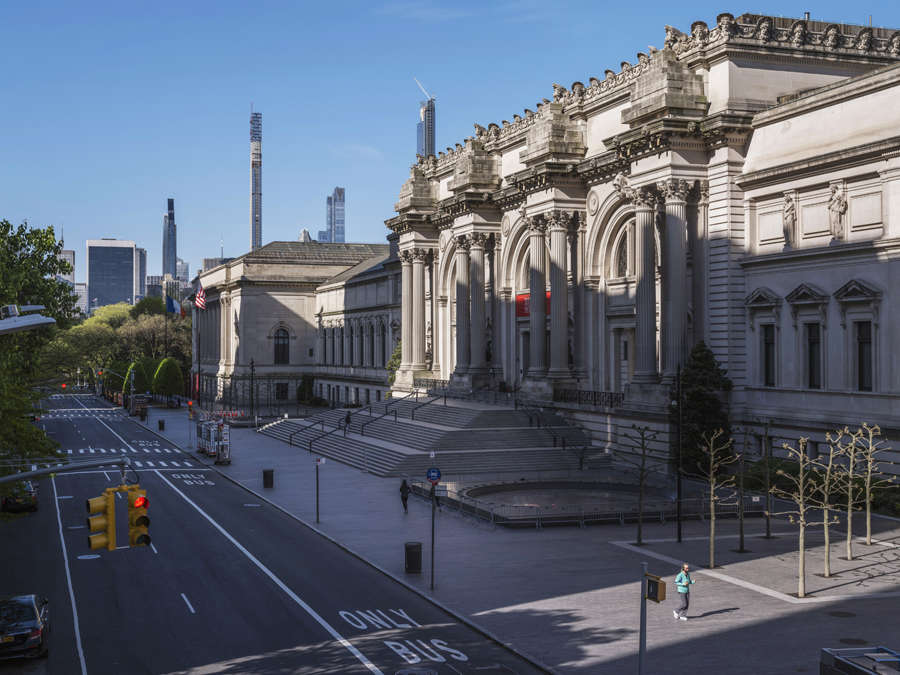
683,584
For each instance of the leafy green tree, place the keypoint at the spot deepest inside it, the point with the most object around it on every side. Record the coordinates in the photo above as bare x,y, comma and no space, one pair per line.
141,381
394,363
111,315
168,380
149,305
704,387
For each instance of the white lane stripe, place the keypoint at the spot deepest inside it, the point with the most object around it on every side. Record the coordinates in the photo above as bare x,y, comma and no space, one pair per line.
62,543
278,582
123,449
188,603
69,451
154,548
92,451
146,450
81,451
161,463
107,475
102,450
149,463
167,451
138,464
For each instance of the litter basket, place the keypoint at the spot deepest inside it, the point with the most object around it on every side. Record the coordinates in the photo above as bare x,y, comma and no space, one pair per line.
268,478
413,551
161,424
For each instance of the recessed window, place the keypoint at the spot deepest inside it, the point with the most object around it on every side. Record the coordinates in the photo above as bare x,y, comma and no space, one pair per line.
768,354
813,355
863,333
282,347
281,391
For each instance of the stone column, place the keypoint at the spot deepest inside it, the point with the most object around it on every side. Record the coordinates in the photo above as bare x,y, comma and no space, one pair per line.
435,314
418,309
576,249
645,292
367,343
462,305
406,309
559,295
476,285
347,355
674,275
537,226
497,335
323,338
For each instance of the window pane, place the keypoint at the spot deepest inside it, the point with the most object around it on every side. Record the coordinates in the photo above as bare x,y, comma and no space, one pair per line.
282,346
768,349
864,355
813,356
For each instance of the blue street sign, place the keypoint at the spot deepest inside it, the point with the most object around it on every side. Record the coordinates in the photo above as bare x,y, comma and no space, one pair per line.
433,475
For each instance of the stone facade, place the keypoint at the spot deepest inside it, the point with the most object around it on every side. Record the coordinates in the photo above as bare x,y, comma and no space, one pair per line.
264,322
738,186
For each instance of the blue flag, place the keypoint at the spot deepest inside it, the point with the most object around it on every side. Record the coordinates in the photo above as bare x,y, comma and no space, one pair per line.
171,306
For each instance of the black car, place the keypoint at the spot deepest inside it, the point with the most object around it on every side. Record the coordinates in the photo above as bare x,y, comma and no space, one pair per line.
23,497
24,626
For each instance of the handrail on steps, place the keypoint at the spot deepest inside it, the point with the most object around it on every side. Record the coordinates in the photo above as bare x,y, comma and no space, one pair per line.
362,428
337,427
412,413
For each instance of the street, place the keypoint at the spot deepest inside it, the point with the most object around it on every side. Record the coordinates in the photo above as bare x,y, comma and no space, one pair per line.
230,583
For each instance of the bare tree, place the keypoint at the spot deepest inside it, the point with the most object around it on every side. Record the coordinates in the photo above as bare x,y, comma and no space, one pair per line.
849,444
802,493
871,447
740,493
827,485
645,463
716,455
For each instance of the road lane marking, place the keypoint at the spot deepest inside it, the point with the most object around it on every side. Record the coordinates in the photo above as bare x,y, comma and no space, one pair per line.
149,463
188,603
102,450
137,463
62,543
107,475
88,556
77,527
154,548
167,451
65,497
278,582
162,463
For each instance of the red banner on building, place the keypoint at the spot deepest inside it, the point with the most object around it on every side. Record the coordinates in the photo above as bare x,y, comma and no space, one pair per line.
523,304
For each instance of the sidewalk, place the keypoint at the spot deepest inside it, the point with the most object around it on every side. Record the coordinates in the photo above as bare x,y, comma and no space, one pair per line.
567,596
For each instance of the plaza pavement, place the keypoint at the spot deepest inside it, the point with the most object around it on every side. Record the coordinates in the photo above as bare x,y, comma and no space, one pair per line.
569,597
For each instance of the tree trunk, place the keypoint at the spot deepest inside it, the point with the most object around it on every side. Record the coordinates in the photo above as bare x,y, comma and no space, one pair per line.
827,543
801,572
850,519
712,526
869,503
640,527
741,548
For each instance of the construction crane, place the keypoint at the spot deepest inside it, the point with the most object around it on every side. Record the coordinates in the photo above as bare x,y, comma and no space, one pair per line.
428,96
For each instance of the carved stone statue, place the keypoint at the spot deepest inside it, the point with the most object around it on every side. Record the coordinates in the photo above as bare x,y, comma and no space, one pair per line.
837,207
788,220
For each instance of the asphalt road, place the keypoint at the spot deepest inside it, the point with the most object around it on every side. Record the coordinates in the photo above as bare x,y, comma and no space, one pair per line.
230,585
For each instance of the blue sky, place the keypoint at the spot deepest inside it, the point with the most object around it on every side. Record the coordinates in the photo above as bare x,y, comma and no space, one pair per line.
109,108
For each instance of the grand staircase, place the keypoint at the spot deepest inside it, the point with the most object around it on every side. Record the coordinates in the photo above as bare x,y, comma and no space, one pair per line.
397,438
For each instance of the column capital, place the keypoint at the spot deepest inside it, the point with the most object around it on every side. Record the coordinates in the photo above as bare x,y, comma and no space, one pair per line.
406,257
645,198
477,239
537,224
420,254
674,189
463,243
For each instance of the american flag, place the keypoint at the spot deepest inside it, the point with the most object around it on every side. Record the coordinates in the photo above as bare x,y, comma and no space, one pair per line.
200,299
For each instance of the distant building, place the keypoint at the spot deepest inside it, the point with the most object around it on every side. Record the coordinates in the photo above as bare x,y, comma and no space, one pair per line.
112,272
425,129
69,256
334,218
154,286
209,263
304,235
182,270
255,180
142,272
81,292
170,241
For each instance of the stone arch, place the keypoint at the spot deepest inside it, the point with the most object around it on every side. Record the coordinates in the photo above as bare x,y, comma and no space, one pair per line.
515,264
282,325
611,220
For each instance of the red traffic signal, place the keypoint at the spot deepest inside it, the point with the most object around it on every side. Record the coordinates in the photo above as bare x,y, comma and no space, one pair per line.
63,385
140,502
99,372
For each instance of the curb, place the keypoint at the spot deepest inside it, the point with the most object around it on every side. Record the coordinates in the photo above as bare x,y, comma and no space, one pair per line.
437,603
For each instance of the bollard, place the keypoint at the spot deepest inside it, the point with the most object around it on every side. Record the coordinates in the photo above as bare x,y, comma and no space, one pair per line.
268,478
161,424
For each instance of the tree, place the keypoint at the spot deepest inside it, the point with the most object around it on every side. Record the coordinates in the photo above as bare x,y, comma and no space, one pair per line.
704,386
148,305
393,364
804,487
849,444
716,456
168,380
645,463
870,449
827,486
141,381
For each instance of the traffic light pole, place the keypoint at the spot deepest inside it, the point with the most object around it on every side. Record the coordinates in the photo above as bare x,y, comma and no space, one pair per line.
122,462
642,651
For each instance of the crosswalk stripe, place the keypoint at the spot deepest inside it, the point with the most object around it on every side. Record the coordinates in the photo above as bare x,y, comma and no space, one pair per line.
167,450
138,464
146,450
161,463
123,449
102,450
92,451
69,451
149,463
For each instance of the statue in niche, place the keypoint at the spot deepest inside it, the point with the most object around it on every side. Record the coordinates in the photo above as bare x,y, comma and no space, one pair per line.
837,207
429,352
788,219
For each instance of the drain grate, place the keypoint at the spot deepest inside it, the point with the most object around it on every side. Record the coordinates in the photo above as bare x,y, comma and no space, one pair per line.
853,642
841,614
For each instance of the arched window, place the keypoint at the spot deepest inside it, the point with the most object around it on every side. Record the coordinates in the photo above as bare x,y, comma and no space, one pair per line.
282,347
622,257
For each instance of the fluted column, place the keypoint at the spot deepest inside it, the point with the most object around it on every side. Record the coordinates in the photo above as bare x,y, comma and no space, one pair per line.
645,292
576,272
462,305
497,336
346,354
537,299
406,309
367,343
418,309
329,345
320,347
476,284
436,335
674,275
559,295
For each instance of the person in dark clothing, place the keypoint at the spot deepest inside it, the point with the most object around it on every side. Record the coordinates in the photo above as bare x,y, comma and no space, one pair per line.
404,495
347,420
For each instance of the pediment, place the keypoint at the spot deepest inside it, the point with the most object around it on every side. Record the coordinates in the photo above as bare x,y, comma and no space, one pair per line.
806,294
762,298
857,291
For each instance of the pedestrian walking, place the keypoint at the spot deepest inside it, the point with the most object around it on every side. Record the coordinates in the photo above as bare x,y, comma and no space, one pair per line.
683,583
347,420
404,495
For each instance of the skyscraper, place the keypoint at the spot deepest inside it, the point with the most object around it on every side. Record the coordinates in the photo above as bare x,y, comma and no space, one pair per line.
142,272
170,240
183,270
112,272
69,256
255,180
334,218
425,128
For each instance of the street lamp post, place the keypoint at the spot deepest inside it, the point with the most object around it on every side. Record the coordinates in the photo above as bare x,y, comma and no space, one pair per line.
678,471
252,392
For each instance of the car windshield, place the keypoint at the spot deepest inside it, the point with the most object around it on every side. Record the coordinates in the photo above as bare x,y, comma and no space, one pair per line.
16,611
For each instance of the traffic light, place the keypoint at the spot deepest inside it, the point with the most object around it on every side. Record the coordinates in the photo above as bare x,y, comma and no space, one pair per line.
138,520
102,520
63,385
190,410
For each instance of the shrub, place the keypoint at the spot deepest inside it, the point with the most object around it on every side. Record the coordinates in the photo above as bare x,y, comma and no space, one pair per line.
168,380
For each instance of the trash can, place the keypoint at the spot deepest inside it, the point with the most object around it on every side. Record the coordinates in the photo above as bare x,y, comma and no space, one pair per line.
143,415
268,478
161,424
413,557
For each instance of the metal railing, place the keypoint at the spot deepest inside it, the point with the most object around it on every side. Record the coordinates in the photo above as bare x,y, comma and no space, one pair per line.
362,429
412,412
597,399
337,427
